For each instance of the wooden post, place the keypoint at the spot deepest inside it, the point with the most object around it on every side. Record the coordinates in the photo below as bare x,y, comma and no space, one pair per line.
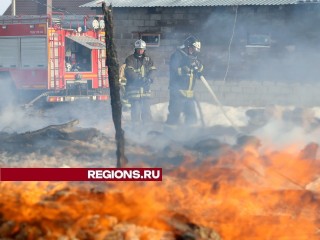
114,84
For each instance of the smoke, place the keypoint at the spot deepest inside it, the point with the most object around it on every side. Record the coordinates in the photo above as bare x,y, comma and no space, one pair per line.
277,127
289,128
289,53
88,144
13,118
90,114
212,123
268,43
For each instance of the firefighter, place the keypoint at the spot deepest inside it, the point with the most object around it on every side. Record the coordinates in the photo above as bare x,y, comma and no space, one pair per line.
123,82
139,73
185,68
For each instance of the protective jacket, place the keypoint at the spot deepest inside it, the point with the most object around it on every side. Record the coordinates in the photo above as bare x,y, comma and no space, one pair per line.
139,74
184,69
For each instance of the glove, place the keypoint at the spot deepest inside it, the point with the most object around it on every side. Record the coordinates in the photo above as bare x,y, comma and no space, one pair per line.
146,83
197,68
196,65
185,70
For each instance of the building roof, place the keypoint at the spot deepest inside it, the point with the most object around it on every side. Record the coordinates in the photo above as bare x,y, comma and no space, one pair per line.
191,3
38,7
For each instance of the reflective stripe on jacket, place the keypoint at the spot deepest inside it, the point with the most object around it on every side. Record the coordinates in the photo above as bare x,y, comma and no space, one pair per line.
136,71
137,93
182,77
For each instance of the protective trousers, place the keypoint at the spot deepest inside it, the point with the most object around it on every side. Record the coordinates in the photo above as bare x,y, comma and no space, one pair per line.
179,104
140,109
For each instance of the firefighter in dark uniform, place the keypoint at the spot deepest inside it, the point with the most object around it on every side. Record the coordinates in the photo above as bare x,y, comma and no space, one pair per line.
139,73
185,68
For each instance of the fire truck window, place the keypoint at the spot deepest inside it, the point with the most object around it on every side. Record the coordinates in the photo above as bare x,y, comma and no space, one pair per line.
78,57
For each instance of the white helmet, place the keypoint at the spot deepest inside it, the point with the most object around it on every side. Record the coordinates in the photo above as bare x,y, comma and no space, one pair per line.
193,41
140,44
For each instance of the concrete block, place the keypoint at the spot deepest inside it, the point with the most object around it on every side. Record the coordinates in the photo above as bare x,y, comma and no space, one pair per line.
166,30
178,16
138,22
155,17
150,23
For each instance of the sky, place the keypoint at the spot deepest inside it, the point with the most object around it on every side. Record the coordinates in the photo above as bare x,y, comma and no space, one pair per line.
4,4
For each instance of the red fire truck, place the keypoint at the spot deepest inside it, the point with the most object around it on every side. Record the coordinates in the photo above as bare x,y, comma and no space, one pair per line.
62,57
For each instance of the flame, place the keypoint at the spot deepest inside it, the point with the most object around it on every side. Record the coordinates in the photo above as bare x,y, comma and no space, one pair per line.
244,194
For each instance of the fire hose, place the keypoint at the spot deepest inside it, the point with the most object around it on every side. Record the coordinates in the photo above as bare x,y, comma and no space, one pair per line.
206,84
35,99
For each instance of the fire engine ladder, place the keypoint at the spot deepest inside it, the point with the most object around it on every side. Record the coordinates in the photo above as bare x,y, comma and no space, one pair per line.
102,72
55,79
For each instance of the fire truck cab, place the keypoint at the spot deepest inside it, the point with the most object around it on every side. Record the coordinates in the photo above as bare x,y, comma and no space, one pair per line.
62,56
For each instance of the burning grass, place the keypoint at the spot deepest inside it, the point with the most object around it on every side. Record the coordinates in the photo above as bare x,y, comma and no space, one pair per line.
243,194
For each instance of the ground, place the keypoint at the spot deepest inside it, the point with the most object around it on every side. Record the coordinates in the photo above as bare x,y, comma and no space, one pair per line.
210,172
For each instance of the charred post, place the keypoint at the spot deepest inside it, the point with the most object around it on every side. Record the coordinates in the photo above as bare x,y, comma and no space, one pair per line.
114,84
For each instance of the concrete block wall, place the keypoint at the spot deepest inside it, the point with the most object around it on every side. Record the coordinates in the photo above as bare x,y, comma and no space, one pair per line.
248,93
215,25
171,23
